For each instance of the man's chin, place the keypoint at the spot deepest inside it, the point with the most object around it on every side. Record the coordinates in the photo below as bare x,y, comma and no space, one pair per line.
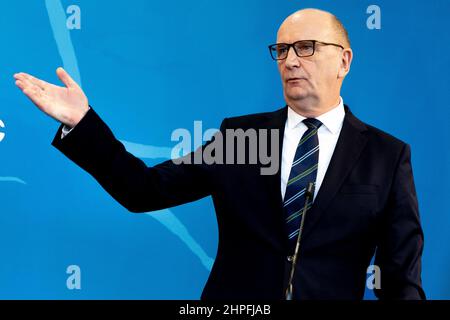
296,96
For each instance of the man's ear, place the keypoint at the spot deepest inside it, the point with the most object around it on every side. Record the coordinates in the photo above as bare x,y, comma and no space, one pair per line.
346,61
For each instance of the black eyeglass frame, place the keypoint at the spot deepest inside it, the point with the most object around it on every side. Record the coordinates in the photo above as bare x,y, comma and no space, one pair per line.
272,48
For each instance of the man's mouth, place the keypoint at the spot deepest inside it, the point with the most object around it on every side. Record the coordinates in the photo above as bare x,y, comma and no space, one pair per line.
294,79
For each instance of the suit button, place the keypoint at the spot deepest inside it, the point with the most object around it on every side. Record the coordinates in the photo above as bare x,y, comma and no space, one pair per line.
290,258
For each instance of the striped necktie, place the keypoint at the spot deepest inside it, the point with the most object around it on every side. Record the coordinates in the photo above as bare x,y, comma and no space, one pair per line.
303,171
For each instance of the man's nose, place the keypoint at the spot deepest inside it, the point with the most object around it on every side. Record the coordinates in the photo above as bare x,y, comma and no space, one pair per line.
292,60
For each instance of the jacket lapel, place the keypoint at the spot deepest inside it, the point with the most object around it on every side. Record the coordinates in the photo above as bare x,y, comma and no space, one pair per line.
348,149
276,121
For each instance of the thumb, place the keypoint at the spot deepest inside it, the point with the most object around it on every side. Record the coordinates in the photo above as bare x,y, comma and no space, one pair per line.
65,78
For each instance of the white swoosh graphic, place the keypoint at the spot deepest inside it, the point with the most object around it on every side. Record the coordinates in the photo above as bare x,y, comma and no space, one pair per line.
12,179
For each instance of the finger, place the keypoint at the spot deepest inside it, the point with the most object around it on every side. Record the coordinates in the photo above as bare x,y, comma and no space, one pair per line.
38,96
26,83
65,78
32,91
19,76
27,78
38,82
20,84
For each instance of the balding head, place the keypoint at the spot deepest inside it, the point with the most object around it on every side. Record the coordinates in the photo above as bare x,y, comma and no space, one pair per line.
312,83
315,24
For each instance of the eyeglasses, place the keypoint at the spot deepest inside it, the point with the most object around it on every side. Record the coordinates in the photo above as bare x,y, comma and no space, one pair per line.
302,48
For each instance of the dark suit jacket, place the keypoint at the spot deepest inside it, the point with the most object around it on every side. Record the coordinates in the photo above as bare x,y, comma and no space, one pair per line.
367,201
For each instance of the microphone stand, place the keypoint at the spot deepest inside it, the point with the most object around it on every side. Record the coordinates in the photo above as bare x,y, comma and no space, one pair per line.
308,196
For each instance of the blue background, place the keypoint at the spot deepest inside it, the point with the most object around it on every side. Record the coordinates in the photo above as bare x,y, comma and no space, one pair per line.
150,67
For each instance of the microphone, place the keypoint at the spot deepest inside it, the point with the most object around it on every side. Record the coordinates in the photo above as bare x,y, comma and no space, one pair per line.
309,194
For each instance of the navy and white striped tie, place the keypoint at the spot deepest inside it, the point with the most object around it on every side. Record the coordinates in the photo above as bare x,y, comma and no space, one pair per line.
303,171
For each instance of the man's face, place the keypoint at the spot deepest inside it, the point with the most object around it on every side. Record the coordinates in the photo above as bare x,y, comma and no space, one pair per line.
315,77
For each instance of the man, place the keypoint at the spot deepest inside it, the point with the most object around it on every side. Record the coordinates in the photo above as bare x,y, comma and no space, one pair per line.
364,197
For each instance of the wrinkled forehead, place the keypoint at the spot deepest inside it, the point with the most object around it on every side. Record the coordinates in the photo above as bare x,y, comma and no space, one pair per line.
306,28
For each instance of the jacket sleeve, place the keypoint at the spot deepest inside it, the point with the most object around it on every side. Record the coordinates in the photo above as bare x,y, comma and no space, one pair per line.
137,187
400,242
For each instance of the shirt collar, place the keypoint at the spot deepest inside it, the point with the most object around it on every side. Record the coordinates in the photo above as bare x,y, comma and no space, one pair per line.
332,119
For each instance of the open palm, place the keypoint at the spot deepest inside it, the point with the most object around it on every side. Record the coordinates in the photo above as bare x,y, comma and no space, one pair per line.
65,104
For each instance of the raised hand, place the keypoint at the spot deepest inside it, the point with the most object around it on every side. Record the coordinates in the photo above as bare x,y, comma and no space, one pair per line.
67,104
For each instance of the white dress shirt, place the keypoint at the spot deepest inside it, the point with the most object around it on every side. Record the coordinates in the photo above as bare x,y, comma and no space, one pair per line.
328,134
65,131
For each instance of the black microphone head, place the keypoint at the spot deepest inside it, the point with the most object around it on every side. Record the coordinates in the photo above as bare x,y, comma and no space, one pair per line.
310,190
